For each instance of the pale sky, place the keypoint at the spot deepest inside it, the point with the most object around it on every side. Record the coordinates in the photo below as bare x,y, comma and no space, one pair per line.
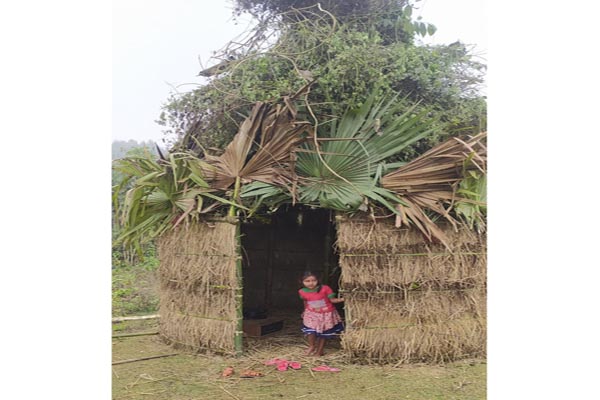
157,45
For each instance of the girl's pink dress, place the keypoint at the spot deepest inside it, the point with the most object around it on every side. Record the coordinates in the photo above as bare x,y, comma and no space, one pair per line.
320,316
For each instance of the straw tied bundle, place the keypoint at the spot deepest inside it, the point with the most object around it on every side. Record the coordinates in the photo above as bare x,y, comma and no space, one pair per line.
408,300
198,282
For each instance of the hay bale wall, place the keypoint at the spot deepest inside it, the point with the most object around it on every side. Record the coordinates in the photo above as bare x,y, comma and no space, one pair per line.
408,300
197,286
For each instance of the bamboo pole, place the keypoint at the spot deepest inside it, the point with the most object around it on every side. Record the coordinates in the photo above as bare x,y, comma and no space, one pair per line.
347,304
121,319
326,261
239,293
239,299
135,334
143,358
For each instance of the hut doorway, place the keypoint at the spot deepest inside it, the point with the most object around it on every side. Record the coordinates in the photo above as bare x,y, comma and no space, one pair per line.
276,250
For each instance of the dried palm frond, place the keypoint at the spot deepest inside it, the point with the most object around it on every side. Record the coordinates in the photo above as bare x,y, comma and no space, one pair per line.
431,182
262,150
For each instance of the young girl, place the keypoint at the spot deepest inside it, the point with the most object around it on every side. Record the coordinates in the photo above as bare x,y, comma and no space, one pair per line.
320,319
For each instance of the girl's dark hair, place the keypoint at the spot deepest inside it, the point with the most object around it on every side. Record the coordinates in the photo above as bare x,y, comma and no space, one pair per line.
306,274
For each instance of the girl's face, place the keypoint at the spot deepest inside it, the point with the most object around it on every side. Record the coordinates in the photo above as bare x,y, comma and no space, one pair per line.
310,282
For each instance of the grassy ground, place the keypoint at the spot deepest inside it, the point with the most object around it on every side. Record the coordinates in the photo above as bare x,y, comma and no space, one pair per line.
135,289
198,376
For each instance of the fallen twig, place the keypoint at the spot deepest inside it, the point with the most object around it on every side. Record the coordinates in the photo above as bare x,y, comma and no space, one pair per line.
153,393
144,358
121,319
135,334
371,387
228,392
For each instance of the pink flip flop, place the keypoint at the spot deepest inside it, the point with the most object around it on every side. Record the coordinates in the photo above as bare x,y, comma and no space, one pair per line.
325,368
295,365
282,366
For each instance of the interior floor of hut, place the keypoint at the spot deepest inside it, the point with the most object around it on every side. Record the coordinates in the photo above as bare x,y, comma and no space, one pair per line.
277,249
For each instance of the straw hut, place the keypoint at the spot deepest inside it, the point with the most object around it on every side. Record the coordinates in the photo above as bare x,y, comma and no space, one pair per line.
414,288
406,299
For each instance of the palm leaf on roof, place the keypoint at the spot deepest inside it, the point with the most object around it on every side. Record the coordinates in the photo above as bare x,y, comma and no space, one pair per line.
165,193
341,170
276,159
433,182
262,150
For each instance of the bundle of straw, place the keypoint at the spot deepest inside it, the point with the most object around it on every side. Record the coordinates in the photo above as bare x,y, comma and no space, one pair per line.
407,299
197,282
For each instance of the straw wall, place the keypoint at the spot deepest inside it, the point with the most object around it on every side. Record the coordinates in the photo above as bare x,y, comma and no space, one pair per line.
409,300
197,282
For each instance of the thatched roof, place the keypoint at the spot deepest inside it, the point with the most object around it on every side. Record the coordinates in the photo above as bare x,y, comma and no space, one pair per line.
275,158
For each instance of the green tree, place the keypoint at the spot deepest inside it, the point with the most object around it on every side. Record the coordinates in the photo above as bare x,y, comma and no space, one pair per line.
122,255
351,49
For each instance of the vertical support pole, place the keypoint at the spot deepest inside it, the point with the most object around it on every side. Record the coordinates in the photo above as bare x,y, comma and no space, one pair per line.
239,292
326,258
347,304
239,299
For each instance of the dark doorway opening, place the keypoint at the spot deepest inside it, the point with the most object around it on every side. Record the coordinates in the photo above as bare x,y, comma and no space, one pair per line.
277,249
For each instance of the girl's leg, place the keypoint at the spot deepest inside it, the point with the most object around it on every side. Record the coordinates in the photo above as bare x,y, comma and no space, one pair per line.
320,346
311,344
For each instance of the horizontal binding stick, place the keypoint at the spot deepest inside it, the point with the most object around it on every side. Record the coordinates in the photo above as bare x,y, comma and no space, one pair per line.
407,254
204,317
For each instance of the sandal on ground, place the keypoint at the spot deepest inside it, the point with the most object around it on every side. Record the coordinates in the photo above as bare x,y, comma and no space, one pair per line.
282,366
250,374
295,365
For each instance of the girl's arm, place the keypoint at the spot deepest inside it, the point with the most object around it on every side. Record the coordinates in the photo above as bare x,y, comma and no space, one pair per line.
331,295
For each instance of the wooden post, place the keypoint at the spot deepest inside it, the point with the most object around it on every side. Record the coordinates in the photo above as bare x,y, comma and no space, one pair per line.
347,305
326,259
239,292
239,299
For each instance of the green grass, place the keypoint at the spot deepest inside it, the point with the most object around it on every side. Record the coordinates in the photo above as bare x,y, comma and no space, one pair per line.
134,290
189,376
